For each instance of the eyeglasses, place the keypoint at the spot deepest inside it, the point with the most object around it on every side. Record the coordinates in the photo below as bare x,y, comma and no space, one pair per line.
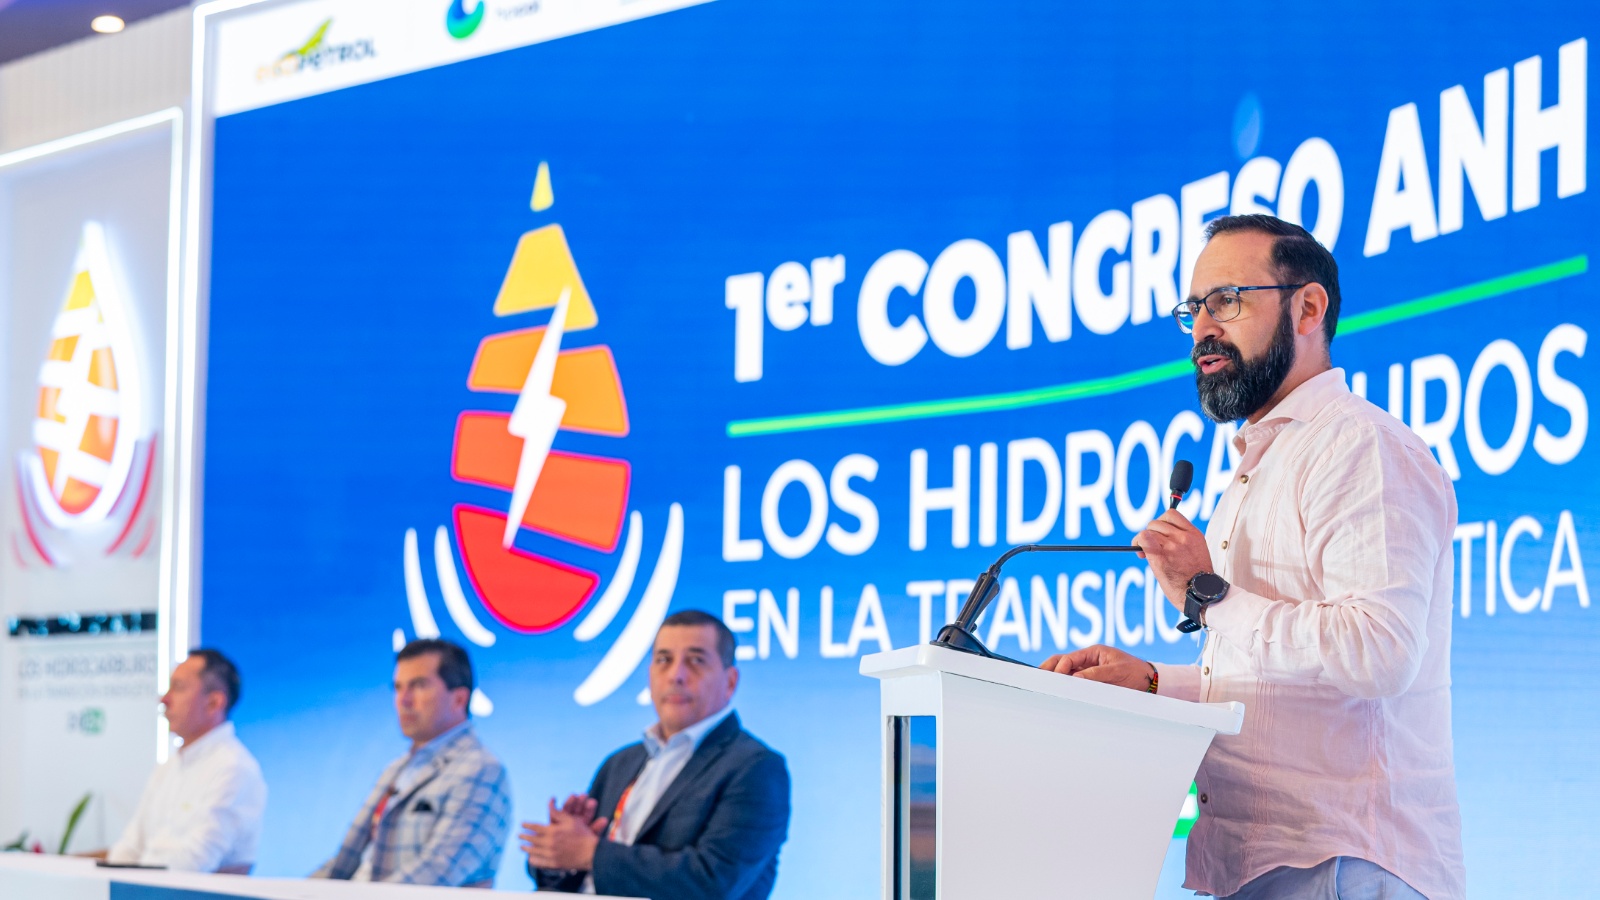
1222,303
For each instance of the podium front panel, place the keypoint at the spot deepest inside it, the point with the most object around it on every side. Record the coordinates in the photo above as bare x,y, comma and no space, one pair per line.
1040,798
1039,785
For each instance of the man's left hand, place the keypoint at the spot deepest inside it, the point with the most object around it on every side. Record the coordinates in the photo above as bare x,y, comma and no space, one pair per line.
1177,552
1107,665
568,842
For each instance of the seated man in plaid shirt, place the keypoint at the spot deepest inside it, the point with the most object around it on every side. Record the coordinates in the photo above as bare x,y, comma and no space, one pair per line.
438,815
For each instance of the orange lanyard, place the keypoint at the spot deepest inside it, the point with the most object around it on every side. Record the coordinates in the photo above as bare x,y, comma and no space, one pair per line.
616,817
383,804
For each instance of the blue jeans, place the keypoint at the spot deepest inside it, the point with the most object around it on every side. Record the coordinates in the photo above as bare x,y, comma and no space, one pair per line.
1340,878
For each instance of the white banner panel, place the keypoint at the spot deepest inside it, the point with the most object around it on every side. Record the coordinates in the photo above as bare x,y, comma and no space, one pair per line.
88,243
278,52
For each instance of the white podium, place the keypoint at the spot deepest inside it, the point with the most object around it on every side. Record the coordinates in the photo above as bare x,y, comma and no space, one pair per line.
1001,780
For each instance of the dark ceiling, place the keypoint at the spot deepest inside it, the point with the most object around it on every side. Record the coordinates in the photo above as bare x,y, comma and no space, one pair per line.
30,26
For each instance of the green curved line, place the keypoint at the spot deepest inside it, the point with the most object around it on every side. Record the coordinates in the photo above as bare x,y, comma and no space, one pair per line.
1127,381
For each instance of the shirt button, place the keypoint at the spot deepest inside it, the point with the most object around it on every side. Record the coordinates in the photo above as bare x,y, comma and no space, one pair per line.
1207,670
1224,545
1245,478
1202,798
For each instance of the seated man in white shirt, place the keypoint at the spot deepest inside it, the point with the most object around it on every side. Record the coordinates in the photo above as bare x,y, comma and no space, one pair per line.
201,810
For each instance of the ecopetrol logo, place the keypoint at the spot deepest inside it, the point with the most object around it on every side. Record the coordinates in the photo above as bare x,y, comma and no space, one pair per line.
578,499
460,23
83,484
317,53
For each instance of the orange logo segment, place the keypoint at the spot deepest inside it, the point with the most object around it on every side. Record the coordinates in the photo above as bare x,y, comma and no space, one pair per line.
579,498
585,378
103,369
62,349
99,438
50,404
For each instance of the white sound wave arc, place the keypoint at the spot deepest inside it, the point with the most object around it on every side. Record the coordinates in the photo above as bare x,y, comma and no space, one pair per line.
480,705
634,643
455,600
536,417
422,622
610,602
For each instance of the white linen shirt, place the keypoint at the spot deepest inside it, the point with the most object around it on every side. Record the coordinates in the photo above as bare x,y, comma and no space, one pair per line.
200,811
1336,535
667,759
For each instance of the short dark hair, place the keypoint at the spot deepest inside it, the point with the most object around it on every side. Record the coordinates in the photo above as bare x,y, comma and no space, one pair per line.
220,674
694,617
1296,256
455,667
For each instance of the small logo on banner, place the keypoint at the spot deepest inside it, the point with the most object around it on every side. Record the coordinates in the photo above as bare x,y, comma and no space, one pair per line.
460,23
577,498
317,53
92,720
87,476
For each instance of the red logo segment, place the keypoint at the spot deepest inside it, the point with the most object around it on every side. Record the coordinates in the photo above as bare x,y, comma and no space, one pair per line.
525,591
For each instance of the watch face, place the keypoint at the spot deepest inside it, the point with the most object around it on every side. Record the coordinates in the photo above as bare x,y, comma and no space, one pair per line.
1209,585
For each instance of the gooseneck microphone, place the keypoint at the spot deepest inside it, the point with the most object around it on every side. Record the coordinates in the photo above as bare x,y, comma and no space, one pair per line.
962,633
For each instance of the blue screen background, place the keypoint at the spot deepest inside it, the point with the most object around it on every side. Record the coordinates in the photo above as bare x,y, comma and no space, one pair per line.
359,238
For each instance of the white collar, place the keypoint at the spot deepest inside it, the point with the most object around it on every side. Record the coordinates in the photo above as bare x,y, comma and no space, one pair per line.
428,751
221,734
694,734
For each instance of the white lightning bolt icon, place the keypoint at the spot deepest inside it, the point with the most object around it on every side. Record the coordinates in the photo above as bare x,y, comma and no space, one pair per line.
536,417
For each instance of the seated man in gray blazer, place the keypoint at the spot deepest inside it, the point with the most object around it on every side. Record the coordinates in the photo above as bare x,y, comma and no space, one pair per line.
438,815
698,809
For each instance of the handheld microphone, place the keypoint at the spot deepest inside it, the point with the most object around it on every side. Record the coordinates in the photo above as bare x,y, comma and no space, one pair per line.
961,634
1182,477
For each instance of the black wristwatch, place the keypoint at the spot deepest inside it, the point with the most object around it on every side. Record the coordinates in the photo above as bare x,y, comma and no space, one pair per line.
1204,589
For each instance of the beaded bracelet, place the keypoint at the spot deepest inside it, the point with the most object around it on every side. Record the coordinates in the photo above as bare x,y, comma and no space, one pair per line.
1155,680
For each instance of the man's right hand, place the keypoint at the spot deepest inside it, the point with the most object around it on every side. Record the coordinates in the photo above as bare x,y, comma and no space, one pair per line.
569,841
578,807
1107,665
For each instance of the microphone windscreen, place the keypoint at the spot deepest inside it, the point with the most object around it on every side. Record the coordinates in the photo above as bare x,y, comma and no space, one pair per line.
1182,476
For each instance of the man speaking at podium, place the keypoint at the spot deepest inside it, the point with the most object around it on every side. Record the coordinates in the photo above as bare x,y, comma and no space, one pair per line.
1324,583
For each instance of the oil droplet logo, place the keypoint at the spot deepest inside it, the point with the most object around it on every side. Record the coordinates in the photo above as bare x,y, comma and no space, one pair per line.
89,443
460,23
575,498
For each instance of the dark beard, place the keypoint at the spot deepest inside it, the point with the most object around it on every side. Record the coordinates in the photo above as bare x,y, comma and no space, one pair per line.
1244,387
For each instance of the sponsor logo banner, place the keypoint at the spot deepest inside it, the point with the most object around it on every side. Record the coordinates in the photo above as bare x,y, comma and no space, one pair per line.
290,50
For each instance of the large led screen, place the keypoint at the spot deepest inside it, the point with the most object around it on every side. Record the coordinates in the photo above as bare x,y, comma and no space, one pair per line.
853,296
